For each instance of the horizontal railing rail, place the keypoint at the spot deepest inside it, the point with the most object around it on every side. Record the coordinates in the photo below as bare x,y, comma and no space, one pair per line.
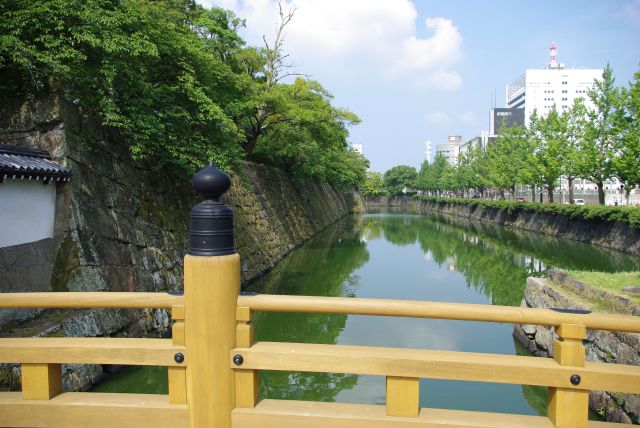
91,350
437,310
87,300
568,377
435,364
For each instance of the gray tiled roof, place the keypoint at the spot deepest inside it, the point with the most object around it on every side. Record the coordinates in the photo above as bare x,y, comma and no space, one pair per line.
19,163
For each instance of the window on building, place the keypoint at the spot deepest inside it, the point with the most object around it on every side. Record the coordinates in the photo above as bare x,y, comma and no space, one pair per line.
564,83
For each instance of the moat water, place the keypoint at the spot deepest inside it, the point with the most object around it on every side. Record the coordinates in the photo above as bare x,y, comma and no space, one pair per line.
412,257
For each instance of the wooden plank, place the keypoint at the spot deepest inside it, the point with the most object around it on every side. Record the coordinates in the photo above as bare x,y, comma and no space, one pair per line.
243,313
403,396
422,363
569,352
92,409
247,388
90,350
572,331
310,414
211,287
79,300
569,408
177,376
247,381
41,381
177,382
440,310
244,335
177,312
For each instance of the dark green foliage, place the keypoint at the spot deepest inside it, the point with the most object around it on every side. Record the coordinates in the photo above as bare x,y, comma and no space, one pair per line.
175,80
598,213
398,178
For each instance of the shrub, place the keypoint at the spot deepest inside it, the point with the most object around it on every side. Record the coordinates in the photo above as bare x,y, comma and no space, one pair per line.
596,213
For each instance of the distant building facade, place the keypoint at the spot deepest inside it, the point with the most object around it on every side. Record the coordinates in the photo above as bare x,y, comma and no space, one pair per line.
478,141
427,151
450,150
506,117
541,89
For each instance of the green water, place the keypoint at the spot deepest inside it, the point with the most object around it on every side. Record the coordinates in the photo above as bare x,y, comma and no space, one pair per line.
413,257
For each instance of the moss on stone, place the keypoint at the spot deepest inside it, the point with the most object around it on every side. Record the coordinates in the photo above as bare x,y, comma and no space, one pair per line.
64,267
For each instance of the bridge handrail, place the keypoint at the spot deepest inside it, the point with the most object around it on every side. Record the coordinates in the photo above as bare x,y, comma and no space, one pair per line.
89,300
439,310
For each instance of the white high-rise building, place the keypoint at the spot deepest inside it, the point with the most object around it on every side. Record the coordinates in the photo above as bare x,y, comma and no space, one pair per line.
540,89
450,150
427,151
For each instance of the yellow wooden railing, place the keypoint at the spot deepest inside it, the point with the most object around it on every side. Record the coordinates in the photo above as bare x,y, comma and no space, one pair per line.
214,363
236,356
42,403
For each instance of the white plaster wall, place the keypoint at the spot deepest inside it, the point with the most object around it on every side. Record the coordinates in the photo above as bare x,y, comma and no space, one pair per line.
27,211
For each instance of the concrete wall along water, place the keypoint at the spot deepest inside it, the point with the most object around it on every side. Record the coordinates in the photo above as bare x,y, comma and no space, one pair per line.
121,226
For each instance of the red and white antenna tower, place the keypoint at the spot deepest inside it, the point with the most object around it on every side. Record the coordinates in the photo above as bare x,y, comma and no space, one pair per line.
554,56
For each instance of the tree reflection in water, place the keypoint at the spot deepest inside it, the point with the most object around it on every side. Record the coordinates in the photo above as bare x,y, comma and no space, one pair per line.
494,261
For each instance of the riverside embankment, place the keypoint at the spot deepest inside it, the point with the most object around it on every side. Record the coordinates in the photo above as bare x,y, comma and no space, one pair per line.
613,235
122,225
559,290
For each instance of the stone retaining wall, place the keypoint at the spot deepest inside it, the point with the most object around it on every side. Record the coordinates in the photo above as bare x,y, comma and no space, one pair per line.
559,291
123,226
613,235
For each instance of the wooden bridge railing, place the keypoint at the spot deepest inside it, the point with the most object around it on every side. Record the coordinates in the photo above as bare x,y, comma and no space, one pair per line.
214,362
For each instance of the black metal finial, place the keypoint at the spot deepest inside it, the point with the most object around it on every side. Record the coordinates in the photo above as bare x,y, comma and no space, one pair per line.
211,232
211,182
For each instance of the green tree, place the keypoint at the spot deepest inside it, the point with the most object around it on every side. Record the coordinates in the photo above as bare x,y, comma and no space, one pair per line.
137,64
373,185
177,82
571,164
597,143
430,176
398,178
507,158
626,165
308,136
550,135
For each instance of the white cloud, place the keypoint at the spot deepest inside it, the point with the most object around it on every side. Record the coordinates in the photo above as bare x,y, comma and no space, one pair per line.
360,39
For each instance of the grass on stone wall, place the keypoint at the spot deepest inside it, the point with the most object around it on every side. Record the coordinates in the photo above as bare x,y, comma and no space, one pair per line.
614,282
623,214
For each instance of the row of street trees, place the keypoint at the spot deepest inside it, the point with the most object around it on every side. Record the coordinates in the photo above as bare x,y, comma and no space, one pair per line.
596,144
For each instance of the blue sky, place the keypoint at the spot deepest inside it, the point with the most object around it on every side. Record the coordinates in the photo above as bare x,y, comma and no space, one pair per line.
426,69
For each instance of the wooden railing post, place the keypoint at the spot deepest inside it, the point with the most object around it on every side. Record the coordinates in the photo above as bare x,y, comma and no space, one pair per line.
247,381
403,396
211,287
41,381
569,408
177,375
